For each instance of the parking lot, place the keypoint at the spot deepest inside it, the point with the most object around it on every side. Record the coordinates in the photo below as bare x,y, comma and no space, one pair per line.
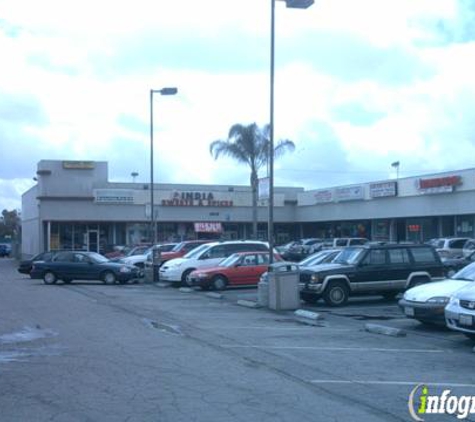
216,360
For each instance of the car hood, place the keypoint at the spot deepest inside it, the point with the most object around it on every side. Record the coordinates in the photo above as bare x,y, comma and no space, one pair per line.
467,293
438,288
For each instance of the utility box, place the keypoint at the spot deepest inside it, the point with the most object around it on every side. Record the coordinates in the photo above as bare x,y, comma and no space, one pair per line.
284,291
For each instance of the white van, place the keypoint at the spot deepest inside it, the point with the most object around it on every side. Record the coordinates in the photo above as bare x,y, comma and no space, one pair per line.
176,270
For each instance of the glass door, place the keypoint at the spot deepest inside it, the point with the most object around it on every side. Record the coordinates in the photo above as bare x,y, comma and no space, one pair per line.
93,240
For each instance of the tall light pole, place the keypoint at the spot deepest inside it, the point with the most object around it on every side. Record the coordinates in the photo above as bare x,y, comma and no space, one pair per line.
293,4
153,225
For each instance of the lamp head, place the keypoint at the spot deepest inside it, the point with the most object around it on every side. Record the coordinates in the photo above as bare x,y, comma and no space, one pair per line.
299,4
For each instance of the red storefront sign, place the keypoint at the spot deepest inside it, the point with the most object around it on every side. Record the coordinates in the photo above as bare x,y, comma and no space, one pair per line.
208,228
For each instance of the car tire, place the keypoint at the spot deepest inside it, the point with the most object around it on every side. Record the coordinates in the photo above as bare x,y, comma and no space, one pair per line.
109,277
336,293
390,295
49,277
219,282
184,277
309,298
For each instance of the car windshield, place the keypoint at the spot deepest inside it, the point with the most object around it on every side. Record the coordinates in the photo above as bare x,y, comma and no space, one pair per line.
349,256
229,261
315,258
194,253
466,273
97,258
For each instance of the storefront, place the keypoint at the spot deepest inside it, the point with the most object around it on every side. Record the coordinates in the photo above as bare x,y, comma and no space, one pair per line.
74,206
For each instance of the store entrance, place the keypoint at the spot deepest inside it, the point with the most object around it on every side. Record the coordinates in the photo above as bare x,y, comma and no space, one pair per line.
93,240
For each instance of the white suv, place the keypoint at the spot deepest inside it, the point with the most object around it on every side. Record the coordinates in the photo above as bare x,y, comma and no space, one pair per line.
176,270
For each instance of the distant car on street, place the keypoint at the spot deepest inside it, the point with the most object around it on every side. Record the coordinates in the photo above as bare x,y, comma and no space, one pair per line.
5,250
25,265
73,265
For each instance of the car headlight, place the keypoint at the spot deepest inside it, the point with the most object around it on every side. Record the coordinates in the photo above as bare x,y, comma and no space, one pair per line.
314,278
440,300
125,269
454,301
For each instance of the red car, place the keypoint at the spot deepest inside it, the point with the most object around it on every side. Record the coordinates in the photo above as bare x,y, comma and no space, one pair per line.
239,269
181,249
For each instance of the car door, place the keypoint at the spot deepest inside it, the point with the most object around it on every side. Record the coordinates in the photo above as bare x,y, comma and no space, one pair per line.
372,272
245,272
84,268
399,265
62,264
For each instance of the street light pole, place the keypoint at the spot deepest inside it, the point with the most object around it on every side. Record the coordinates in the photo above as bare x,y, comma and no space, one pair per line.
293,4
153,225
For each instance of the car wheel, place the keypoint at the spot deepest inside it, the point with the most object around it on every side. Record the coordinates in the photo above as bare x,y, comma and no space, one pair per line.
109,277
184,277
390,295
49,277
309,298
219,282
336,293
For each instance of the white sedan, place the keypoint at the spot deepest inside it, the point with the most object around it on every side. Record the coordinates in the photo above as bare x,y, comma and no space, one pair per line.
426,302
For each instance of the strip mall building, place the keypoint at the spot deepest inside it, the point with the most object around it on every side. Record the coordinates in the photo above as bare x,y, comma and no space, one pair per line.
74,206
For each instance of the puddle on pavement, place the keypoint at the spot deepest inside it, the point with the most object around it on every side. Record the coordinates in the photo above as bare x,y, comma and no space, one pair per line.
27,334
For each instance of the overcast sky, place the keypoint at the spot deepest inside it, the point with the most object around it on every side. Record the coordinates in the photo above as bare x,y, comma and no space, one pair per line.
359,84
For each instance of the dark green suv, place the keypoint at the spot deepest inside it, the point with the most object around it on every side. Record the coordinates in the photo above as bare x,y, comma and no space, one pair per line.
371,269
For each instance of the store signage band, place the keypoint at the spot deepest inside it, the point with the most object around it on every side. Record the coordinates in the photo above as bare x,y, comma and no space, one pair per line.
323,196
78,165
352,193
438,184
208,227
383,189
114,196
195,199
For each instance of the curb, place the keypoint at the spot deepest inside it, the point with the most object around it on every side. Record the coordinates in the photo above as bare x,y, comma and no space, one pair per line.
186,290
162,284
307,317
214,295
382,329
248,303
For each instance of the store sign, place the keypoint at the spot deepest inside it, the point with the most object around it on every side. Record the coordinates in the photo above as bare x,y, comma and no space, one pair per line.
113,196
208,228
78,165
353,193
195,199
323,196
438,184
381,190
263,188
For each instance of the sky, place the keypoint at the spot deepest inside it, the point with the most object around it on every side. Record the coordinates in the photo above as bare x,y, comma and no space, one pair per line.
358,85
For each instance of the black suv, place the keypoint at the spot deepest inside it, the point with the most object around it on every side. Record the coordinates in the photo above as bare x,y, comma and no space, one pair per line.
371,269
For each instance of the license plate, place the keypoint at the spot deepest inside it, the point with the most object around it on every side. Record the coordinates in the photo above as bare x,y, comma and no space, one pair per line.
465,320
409,311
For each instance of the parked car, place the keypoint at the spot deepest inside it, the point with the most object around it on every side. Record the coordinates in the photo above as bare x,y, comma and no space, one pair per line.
141,259
129,251
449,247
242,268
426,303
343,242
5,250
452,265
25,265
181,249
371,269
460,311
468,247
177,270
73,265
322,257
302,248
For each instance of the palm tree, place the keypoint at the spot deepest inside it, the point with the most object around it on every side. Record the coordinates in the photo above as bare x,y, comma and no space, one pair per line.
249,144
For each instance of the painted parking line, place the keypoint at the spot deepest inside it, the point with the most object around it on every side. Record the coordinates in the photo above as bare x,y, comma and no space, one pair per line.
334,349
409,383
307,328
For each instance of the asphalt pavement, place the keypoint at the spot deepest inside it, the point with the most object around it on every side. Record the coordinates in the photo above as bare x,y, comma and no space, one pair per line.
91,352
